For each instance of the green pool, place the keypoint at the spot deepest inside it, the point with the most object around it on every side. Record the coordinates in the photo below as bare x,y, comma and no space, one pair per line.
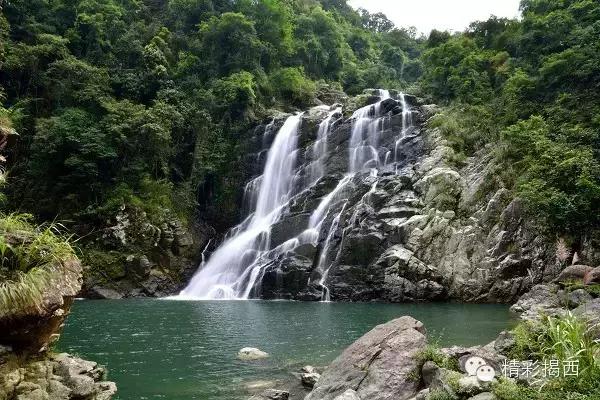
177,350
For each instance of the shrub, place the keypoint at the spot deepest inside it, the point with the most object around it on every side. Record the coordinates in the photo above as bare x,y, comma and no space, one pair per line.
432,352
291,85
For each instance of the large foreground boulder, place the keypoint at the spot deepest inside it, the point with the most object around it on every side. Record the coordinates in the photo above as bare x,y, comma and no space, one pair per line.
377,366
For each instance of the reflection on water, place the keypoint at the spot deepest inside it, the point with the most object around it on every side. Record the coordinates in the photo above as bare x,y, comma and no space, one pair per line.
180,350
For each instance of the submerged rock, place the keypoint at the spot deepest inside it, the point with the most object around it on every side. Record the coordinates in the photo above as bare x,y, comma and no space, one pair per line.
377,366
251,354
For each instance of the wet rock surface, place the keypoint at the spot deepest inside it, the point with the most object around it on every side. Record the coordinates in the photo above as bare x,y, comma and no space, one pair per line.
139,258
420,229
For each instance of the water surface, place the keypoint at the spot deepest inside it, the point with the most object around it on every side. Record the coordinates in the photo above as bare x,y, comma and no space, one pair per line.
180,350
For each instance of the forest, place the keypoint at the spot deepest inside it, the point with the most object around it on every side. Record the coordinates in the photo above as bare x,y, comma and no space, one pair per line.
125,128
143,103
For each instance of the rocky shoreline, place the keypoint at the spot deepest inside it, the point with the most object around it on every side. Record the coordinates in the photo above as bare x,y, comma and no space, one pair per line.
29,369
395,361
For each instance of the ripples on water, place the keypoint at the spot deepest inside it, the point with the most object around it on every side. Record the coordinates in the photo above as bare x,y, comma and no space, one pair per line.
180,350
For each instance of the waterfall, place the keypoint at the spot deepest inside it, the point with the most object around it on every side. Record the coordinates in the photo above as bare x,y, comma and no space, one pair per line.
367,125
240,262
321,267
406,123
224,275
319,148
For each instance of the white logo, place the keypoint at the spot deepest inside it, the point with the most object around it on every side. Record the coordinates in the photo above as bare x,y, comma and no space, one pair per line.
473,363
485,373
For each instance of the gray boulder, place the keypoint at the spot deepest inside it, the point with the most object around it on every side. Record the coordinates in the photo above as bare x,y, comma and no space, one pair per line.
577,298
310,379
541,299
574,273
377,366
590,310
504,342
592,277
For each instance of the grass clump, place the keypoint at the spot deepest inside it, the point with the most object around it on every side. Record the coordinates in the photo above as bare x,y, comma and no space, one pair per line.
432,352
30,256
593,289
567,338
441,395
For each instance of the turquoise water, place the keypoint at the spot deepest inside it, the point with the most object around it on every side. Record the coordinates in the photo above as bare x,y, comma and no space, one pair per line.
187,350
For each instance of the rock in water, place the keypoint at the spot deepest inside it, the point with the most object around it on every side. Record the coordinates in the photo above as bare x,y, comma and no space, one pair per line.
310,379
272,394
376,366
309,369
251,354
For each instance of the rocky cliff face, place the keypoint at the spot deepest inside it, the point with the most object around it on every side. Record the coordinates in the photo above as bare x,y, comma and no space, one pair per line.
28,371
416,229
134,257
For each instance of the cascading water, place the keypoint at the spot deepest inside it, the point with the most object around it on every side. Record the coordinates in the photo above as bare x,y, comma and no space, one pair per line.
319,148
233,270
223,276
323,267
367,125
406,123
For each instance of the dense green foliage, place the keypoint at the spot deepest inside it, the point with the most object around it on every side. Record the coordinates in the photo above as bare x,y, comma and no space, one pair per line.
144,103
530,90
141,102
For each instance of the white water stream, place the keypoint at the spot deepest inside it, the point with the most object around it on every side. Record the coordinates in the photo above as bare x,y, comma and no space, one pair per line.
233,270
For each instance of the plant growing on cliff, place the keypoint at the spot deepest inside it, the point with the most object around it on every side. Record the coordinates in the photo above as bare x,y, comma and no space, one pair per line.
31,255
525,82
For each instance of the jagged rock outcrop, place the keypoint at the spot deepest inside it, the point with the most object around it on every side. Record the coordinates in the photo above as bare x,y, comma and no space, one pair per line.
134,257
421,229
56,377
31,329
27,330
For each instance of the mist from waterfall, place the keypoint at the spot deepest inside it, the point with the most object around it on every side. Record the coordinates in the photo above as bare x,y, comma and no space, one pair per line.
239,263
